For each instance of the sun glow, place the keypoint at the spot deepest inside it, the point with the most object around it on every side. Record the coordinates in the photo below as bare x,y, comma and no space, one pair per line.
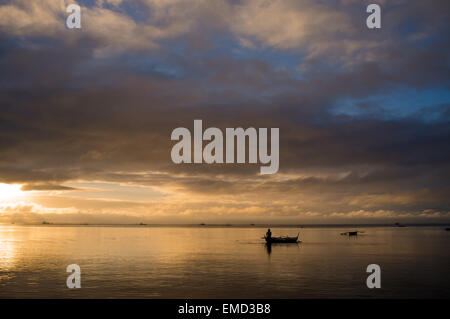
10,191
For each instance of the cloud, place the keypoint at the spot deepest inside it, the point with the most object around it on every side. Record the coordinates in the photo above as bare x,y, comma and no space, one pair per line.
46,187
111,29
372,214
388,214
38,17
307,25
98,105
28,213
313,27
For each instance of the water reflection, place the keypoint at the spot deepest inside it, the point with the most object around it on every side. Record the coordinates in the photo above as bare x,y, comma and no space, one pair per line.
269,248
7,248
213,262
280,246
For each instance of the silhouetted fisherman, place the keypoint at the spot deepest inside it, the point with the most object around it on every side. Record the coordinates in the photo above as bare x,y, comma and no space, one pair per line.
269,234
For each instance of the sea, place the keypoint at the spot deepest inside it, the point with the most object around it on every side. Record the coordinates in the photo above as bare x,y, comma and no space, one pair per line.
227,261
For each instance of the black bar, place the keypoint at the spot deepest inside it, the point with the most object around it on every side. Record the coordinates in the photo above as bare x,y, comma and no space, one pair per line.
170,308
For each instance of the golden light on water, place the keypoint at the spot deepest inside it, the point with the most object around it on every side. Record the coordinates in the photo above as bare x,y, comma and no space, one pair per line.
7,250
10,191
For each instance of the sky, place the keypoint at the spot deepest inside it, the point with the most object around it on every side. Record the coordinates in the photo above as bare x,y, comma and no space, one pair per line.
86,114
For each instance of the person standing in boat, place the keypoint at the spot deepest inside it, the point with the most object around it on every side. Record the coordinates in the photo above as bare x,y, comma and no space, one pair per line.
268,234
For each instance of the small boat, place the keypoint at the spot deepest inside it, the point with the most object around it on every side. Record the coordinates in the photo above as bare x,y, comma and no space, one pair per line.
281,240
399,225
350,233
447,229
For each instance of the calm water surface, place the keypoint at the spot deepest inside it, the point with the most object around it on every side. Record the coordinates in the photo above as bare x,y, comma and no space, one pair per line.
228,262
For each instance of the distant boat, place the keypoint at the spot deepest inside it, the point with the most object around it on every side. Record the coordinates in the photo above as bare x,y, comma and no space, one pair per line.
447,229
399,225
351,233
281,240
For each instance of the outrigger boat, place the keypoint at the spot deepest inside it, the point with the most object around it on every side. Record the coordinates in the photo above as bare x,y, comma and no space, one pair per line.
351,233
281,240
399,225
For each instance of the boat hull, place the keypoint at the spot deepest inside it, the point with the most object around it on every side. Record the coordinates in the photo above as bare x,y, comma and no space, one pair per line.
350,233
281,240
